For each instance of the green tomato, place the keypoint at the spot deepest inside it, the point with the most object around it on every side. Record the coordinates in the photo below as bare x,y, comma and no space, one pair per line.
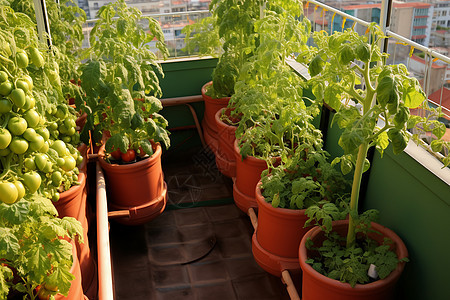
22,59
20,189
30,134
74,177
60,161
38,143
18,97
55,197
3,76
62,129
32,181
53,125
66,139
40,160
60,147
36,57
71,131
17,125
69,163
44,133
27,78
70,123
8,192
6,88
79,159
18,145
48,167
29,163
23,85
5,138
45,147
5,152
5,106
29,103
56,178
32,118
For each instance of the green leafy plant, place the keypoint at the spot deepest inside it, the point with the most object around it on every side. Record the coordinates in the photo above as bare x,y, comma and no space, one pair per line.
372,100
29,163
121,82
304,180
273,117
33,252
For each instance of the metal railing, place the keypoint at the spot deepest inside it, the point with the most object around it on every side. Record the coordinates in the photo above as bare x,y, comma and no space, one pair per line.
171,24
430,67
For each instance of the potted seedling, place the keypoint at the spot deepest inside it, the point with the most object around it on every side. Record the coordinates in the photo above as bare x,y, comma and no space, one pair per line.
303,179
269,99
344,259
120,80
229,34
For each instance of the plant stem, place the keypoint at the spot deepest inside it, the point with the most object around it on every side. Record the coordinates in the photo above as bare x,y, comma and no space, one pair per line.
359,169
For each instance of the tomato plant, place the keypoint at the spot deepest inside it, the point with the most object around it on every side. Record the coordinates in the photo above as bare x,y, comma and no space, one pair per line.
118,47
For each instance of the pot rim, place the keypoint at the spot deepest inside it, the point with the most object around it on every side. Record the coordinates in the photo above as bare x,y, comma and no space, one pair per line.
68,195
251,159
222,124
284,212
133,166
207,98
402,252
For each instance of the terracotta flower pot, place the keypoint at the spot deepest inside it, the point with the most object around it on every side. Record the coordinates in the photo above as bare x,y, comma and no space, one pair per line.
277,238
72,203
209,123
225,158
75,291
138,187
248,174
317,286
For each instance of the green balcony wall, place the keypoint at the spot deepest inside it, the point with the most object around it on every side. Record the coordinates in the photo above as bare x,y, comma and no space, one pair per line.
412,201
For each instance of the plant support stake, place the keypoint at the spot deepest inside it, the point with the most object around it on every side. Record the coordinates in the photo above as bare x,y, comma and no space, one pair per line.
42,21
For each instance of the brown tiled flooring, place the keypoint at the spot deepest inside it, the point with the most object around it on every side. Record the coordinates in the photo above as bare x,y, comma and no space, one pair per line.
196,252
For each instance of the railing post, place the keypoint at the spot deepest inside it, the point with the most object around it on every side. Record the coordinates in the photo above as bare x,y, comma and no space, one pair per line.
385,22
42,21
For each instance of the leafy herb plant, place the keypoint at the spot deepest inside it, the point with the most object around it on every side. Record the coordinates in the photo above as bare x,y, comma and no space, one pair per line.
121,82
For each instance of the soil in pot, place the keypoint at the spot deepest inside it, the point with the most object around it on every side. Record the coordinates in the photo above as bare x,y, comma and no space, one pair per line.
317,286
277,238
212,105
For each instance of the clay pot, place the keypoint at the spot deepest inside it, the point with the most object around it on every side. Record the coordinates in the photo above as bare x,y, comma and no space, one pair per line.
72,203
138,187
248,174
225,158
277,238
75,291
317,286
209,126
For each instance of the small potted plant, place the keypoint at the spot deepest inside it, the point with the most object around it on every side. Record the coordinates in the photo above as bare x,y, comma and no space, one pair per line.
269,99
229,30
356,257
302,180
121,85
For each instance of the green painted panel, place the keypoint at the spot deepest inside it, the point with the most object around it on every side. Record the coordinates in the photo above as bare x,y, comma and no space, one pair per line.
413,203
186,77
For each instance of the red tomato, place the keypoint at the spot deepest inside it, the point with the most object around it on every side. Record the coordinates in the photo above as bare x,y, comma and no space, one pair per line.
128,156
116,154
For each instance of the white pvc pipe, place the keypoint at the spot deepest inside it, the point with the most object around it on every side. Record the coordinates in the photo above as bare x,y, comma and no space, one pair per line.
105,282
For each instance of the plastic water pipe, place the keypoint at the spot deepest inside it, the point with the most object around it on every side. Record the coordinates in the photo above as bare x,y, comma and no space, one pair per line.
105,286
